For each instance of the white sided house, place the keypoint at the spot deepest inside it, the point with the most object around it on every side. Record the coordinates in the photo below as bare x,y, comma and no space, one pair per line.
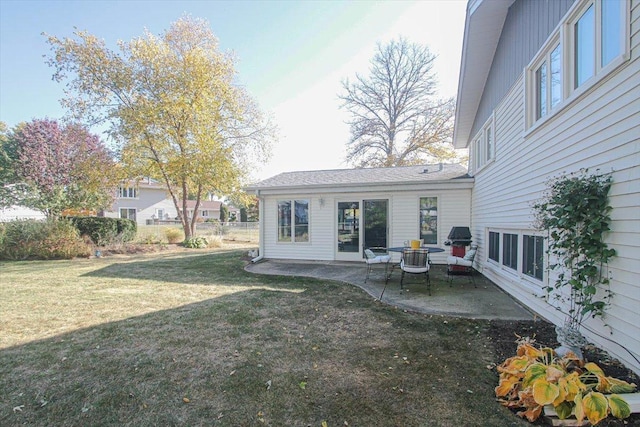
335,214
148,202
145,201
548,88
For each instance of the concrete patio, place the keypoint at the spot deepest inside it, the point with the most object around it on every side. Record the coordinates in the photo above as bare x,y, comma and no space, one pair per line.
460,299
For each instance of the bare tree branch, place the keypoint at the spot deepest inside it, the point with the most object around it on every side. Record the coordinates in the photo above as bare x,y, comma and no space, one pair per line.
396,118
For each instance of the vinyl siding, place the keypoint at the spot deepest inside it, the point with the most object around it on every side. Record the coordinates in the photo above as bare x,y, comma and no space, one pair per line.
148,200
453,209
527,26
598,130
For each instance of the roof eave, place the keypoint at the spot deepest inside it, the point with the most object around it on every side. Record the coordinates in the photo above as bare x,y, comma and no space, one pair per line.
462,181
482,29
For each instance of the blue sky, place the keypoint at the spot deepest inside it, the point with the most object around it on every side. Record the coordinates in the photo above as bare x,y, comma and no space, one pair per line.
292,56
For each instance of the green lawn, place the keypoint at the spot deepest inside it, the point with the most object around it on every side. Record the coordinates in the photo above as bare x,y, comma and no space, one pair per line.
190,338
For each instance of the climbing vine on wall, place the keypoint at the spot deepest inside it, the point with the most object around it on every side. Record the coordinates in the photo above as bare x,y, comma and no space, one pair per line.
575,212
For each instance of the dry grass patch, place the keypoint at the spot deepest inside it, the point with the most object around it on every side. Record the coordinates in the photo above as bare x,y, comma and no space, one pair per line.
191,339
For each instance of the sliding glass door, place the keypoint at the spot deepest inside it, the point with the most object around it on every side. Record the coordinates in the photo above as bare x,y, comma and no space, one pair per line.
349,230
351,241
376,227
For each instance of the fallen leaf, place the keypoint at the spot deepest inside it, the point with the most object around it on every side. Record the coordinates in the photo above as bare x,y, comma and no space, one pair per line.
268,383
186,400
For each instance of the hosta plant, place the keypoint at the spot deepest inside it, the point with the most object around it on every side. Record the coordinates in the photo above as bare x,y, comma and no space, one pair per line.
536,377
196,243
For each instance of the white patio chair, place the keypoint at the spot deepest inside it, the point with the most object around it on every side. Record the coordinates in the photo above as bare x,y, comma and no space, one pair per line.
415,261
462,265
372,259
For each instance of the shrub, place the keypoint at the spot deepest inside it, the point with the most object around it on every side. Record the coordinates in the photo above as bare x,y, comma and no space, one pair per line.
174,235
50,239
196,243
127,229
104,231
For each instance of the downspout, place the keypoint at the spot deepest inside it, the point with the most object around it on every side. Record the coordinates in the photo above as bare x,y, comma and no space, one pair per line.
261,229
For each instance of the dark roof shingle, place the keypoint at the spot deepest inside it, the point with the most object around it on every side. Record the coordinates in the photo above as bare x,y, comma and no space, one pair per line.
366,176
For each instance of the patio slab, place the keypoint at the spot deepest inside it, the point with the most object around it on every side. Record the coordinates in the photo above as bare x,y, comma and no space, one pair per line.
460,299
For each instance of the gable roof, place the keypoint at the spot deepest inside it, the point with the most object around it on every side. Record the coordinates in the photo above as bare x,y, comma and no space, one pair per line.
337,178
482,29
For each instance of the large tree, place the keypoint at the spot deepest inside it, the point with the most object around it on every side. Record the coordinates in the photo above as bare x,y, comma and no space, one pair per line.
396,117
8,179
60,167
171,104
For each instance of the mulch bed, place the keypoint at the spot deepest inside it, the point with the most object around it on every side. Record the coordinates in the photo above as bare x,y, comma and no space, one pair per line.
503,335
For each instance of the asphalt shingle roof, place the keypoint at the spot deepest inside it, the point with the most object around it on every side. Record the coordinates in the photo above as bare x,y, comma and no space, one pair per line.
366,176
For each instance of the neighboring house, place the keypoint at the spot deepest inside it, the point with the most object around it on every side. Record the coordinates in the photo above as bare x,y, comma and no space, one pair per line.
208,209
334,214
143,201
547,88
148,202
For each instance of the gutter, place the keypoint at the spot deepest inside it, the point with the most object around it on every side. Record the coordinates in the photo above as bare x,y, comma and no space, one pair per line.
261,234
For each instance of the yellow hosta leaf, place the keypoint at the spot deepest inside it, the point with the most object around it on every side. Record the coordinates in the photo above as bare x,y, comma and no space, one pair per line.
619,407
533,372
592,367
620,386
562,395
531,414
596,407
570,386
545,392
514,365
579,408
603,384
529,351
506,385
554,374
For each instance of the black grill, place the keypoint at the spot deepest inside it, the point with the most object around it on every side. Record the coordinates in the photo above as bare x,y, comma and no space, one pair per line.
459,236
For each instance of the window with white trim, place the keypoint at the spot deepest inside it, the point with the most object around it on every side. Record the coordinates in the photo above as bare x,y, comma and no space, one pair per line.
127,192
548,82
533,256
589,43
128,213
484,145
293,221
504,247
429,220
510,250
494,246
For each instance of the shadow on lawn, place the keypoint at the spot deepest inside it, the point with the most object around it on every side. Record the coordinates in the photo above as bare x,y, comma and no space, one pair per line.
256,357
220,268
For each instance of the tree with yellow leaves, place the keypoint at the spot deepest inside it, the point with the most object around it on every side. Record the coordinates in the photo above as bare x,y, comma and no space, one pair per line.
172,106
